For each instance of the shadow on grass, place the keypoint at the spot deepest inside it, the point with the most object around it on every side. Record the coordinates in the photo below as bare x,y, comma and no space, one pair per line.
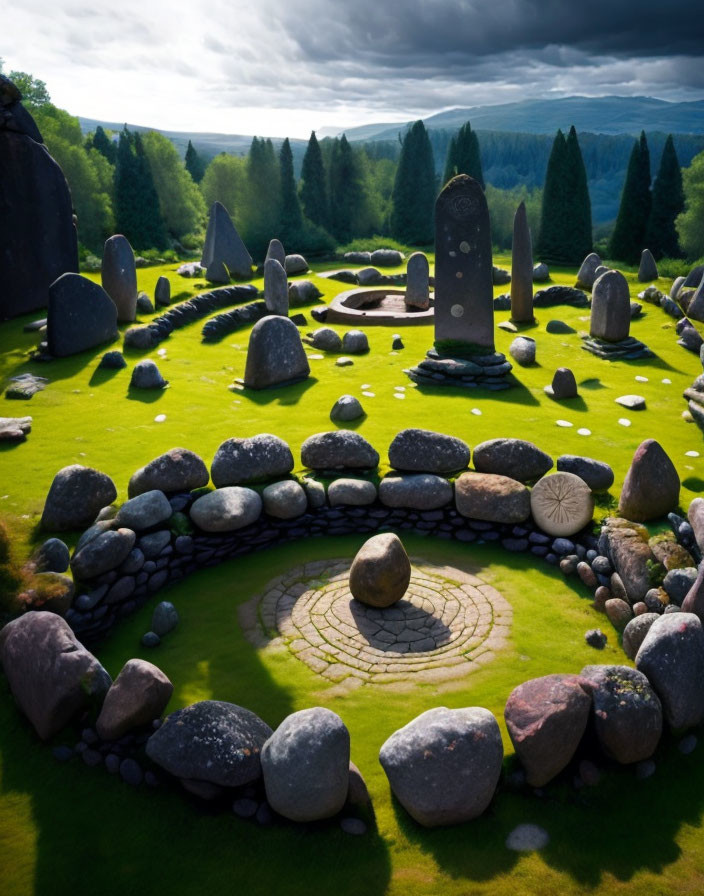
103,375
694,483
146,396
516,394
570,404
592,384
284,394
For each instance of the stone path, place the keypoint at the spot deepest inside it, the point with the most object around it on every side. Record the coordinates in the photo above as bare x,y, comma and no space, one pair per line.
448,624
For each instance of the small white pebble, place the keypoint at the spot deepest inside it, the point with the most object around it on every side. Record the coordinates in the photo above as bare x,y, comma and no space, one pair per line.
369,394
160,418
624,421
476,412
365,386
691,454
584,431
315,357
393,353
666,381
564,423
641,379
162,353
400,388
399,395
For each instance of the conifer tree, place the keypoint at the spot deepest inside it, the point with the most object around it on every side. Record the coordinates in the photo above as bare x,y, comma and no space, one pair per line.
463,156
194,164
413,197
260,218
344,182
291,220
137,213
314,194
628,239
104,145
578,210
668,202
552,244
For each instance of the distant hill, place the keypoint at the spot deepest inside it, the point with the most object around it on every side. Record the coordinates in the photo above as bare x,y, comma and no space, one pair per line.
599,115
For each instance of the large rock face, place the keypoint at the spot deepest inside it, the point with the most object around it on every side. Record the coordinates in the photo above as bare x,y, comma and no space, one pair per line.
138,695
306,765
51,675
242,461
81,315
37,234
224,253
338,450
521,268
546,718
626,712
381,571
275,355
211,741
443,766
421,450
515,458
651,488
496,499
672,658
76,495
119,276
178,470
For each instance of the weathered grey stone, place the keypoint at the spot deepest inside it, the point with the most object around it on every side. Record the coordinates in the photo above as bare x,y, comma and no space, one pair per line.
118,275
611,308
177,470
695,308
15,429
369,277
144,511
138,695
586,273
51,675
153,544
295,264
651,488
144,304
355,342
326,339
103,553
224,253
301,292
353,492
626,712
464,295
211,741
635,631
515,458
521,269
257,459
417,281
305,764
315,492
226,509
672,658
52,556
162,292
419,491
141,338
541,273
277,252
81,315
559,327
422,450
275,287
632,559
523,350
164,618
546,718
647,270
76,495
275,355
388,258
146,375
632,402
284,500
338,450
598,475
563,385
496,499
561,504
694,599
443,767
381,571
678,582
346,408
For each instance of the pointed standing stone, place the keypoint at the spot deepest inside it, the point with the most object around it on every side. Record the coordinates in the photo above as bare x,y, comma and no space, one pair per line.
464,293
522,269
162,292
275,287
224,253
611,308
418,282
648,270
277,251
118,275
275,355
587,272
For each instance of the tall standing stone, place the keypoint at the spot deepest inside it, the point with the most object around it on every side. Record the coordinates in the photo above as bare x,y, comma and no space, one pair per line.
275,355
162,292
464,294
81,315
275,287
224,253
648,270
418,281
521,268
611,308
119,276
37,234
276,251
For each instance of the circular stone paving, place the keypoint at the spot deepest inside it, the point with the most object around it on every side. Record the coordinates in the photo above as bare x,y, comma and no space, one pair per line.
447,624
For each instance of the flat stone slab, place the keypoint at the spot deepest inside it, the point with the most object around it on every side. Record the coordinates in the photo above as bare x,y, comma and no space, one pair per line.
490,371
15,429
629,349
25,385
632,402
447,624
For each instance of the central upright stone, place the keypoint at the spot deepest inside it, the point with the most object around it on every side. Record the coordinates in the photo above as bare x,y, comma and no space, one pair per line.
464,353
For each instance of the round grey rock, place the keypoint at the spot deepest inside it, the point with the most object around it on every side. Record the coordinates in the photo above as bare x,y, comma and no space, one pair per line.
355,342
422,450
419,491
52,556
177,470
381,571
275,355
635,631
338,450
256,459
164,618
326,339
523,350
351,492
285,500
226,509
105,552
75,497
295,264
145,375
515,458
598,475
144,511
346,408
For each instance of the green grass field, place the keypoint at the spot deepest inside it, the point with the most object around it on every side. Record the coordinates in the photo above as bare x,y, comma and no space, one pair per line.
67,828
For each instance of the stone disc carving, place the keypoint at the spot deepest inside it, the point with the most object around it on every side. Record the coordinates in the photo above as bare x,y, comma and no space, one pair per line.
447,624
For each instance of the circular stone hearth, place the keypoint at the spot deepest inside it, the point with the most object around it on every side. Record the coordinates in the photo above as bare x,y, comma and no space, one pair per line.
447,624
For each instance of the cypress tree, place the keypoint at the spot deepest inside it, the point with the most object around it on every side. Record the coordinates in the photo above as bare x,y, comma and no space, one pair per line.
137,213
314,194
261,215
450,161
463,156
628,239
291,223
552,243
668,202
194,164
104,145
413,196
344,181
578,213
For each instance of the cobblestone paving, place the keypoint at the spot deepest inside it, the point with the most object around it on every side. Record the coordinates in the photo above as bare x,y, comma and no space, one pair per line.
448,624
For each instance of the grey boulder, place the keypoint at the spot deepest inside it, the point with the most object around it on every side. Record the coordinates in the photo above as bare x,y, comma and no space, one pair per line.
119,276
101,554
138,695
144,511
177,470
80,316
346,408
598,475
164,618
422,450
75,497
338,450
355,342
256,459
275,355
226,509
285,500
381,571
514,458
419,491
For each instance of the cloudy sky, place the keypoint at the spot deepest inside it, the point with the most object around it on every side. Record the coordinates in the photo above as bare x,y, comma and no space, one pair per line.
284,67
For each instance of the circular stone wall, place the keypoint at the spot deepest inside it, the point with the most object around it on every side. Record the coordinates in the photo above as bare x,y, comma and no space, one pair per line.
448,624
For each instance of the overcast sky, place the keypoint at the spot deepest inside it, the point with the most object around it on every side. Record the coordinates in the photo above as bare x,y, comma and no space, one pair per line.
285,67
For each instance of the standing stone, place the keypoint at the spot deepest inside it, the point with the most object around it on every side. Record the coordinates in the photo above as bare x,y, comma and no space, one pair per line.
275,286
162,292
275,355
381,571
651,488
224,253
695,309
81,315
586,273
521,269
611,308
464,293
417,282
563,385
277,252
647,270
119,276
37,235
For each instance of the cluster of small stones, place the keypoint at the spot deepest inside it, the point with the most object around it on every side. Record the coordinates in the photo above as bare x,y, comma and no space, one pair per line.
447,624
487,371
